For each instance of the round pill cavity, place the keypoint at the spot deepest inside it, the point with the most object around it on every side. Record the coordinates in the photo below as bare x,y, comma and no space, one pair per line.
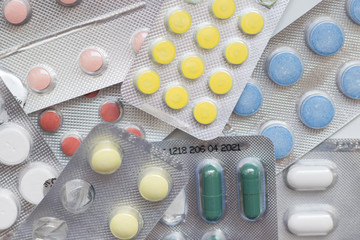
251,22
281,136
325,36
222,9
70,143
221,82
17,11
111,111
353,10
284,66
50,120
250,101
106,157
138,39
69,3
348,79
162,51
92,61
207,36
32,179
174,236
214,235
125,222
147,81
40,80
136,130
15,144
236,52
178,21
92,94
154,184
316,110
205,112
50,228
192,66
176,97
9,209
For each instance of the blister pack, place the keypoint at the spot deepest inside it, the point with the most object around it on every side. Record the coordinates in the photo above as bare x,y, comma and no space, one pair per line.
65,125
134,183
308,81
83,58
197,59
26,162
317,197
231,192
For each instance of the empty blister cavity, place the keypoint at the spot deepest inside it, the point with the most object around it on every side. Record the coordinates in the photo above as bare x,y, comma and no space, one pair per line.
50,120
205,112
50,228
162,51
348,79
147,81
174,236
251,22
221,81
111,111
222,9
16,11
69,3
41,79
138,39
9,209
210,190
176,97
106,157
92,61
178,20
70,142
125,222
250,101
353,10
214,235
177,211
207,36
236,52
191,66
251,188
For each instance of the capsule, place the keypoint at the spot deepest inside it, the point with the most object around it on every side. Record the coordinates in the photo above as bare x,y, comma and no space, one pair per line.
211,198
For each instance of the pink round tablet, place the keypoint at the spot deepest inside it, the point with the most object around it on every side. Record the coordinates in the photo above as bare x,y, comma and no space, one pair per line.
110,111
91,61
39,79
70,144
92,94
135,130
68,1
50,121
138,39
16,11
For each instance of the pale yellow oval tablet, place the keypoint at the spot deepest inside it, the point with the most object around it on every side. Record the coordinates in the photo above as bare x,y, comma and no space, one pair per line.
106,157
176,97
220,82
125,223
147,81
154,184
251,22
236,52
223,9
207,36
205,112
192,66
163,51
178,21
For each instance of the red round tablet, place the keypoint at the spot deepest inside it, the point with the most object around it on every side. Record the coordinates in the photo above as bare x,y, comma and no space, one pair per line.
135,130
50,121
110,111
92,94
70,144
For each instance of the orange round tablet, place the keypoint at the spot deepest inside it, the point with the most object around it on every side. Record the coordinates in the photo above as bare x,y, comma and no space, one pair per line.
110,111
50,120
135,130
70,144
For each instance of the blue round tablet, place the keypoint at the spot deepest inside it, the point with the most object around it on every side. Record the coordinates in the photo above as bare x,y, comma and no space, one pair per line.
353,10
348,80
325,37
250,101
281,136
284,66
316,110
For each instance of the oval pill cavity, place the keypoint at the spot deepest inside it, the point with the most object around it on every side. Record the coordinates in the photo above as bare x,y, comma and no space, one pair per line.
250,101
125,222
210,190
17,11
154,184
9,209
348,79
106,157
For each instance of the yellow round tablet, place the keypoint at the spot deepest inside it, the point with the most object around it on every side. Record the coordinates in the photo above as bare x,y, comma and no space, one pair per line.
176,97
147,81
205,112
220,82
236,52
163,51
207,36
192,66
178,21
251,22
125,223
223,9
106,157
154,184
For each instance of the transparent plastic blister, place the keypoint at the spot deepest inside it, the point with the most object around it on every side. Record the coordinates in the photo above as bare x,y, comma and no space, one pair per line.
231,192
26,162
317,195
313,92
207,48
117,186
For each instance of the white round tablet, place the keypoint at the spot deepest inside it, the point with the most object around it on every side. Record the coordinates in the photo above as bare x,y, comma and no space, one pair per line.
15,144
32,179
9,209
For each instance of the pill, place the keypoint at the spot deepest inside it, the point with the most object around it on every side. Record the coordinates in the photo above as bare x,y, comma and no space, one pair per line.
70,142
281,136
210,180
106,157
205,112
92,94
69,3
111,111
250,101
50,120
191,66
251,22
174,236
125,222
284,66
348,79
17,11
15,144
41,80
147,81
353,10
207,36
176,97
162,51
32,179
236,52
9,209
154,184
220,82
92,61
136,130
325,36
222,9
178,20
316,110
138,39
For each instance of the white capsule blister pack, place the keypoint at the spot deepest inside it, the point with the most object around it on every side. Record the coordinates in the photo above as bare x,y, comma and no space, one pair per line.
116,186
26,162
307,82
197,59
78,116
87,56
317,197
231,192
